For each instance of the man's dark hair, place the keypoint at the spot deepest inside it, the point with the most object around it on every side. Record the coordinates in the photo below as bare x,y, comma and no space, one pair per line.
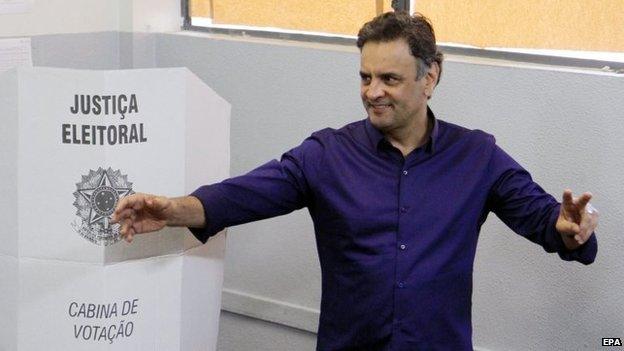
416,30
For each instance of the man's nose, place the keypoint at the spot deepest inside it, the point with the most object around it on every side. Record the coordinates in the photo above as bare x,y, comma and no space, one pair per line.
374,90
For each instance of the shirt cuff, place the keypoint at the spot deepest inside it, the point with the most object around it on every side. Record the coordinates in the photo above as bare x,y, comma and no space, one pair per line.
210,197
586,253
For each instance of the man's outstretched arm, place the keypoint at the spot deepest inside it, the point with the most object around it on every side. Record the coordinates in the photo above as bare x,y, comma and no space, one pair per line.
144,213
566,228
273,189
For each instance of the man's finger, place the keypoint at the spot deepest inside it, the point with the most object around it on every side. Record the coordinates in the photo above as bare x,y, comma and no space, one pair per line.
567,197
583,200
138,202
585,230
569,228
129,234
568,203
126,225
118,217
129,201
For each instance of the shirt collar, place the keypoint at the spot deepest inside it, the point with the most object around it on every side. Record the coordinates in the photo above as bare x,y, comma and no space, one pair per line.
376,137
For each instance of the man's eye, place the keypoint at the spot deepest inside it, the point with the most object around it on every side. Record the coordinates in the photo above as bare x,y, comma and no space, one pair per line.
365,79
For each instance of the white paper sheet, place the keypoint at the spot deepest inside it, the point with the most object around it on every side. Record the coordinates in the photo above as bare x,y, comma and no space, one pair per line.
15,6
14,52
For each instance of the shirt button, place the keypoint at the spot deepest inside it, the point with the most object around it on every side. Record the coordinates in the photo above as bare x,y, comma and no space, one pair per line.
401,285
403,209
404,172
402,247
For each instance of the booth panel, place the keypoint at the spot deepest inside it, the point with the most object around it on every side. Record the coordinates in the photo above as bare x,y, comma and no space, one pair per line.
201,303
53,161
8,162
8,302
79,306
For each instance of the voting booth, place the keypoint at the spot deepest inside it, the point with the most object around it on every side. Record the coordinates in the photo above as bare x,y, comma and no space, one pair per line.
74,143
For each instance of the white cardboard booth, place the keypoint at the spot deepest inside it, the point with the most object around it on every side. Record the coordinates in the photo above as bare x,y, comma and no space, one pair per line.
73,144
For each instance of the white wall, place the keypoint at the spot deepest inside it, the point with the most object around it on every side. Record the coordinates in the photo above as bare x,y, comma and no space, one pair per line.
149,16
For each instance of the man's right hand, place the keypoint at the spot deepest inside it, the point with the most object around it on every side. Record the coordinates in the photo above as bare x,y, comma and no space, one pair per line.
142,213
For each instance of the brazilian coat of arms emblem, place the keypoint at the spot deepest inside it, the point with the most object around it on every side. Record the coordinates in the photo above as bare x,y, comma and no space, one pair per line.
97,195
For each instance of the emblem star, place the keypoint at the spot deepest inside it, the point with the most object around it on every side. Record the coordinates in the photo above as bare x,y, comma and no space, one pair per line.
103,199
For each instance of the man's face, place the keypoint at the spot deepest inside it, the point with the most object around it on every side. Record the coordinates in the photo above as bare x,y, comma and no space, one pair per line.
392,96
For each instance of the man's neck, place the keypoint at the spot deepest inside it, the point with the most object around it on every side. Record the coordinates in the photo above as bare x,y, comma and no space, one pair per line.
411,137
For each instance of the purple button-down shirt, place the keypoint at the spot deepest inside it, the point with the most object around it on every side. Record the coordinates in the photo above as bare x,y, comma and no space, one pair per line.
396,236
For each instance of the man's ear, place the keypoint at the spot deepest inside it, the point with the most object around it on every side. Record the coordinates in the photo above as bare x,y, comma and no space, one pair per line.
431,78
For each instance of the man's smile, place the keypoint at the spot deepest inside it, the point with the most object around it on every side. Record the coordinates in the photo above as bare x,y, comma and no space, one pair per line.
379,107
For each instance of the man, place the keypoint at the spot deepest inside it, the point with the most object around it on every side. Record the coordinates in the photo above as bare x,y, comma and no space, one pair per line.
397,201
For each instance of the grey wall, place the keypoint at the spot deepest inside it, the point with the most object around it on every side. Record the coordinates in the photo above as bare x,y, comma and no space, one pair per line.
80,50
566,127
563,125
239,332
102,50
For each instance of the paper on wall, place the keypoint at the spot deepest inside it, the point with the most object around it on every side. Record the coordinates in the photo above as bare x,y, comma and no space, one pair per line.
14,52
15,6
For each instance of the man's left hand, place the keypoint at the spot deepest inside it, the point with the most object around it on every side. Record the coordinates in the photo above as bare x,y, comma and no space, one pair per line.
577,219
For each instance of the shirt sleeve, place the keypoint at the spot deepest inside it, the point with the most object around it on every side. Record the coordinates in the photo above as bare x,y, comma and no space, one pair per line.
273,189
529,211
